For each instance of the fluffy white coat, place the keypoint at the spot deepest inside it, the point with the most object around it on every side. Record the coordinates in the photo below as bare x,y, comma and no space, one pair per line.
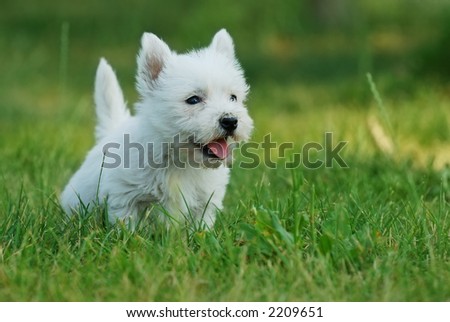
165,81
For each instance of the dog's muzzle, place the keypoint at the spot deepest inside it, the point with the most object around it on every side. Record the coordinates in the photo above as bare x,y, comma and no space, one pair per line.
229,124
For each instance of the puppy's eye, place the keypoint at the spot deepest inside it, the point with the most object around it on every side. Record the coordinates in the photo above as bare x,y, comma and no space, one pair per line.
194,100
233,98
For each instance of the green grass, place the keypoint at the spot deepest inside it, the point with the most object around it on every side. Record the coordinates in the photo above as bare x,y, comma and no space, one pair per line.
376,231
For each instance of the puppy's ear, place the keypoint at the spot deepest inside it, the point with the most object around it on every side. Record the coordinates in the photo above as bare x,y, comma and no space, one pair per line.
151,60
223,43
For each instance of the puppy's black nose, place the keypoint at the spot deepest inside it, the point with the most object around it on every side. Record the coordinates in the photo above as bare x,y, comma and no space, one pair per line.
229,123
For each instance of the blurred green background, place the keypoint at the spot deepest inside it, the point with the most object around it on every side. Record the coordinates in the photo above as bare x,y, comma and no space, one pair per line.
306,62
381,224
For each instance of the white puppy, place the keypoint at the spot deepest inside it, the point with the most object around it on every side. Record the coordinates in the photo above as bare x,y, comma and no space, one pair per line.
172,153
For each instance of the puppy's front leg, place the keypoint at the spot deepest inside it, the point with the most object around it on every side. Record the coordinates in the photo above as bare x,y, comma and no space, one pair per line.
123,214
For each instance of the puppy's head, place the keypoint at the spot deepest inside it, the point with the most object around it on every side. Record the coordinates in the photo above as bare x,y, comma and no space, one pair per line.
198,97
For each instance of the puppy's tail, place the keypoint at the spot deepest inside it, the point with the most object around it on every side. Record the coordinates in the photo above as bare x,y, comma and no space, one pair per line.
110,106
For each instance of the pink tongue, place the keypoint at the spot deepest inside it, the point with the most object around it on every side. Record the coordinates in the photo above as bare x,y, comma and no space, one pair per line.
219,148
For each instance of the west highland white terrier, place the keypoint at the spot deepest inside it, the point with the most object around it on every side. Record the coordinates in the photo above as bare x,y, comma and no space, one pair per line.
170,158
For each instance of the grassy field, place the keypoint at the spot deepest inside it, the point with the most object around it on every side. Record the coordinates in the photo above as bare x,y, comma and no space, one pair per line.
378,230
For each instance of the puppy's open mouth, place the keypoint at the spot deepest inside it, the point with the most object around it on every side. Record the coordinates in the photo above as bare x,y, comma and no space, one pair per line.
216,149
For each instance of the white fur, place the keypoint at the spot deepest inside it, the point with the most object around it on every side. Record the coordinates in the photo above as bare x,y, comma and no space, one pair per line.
164,80
110,106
